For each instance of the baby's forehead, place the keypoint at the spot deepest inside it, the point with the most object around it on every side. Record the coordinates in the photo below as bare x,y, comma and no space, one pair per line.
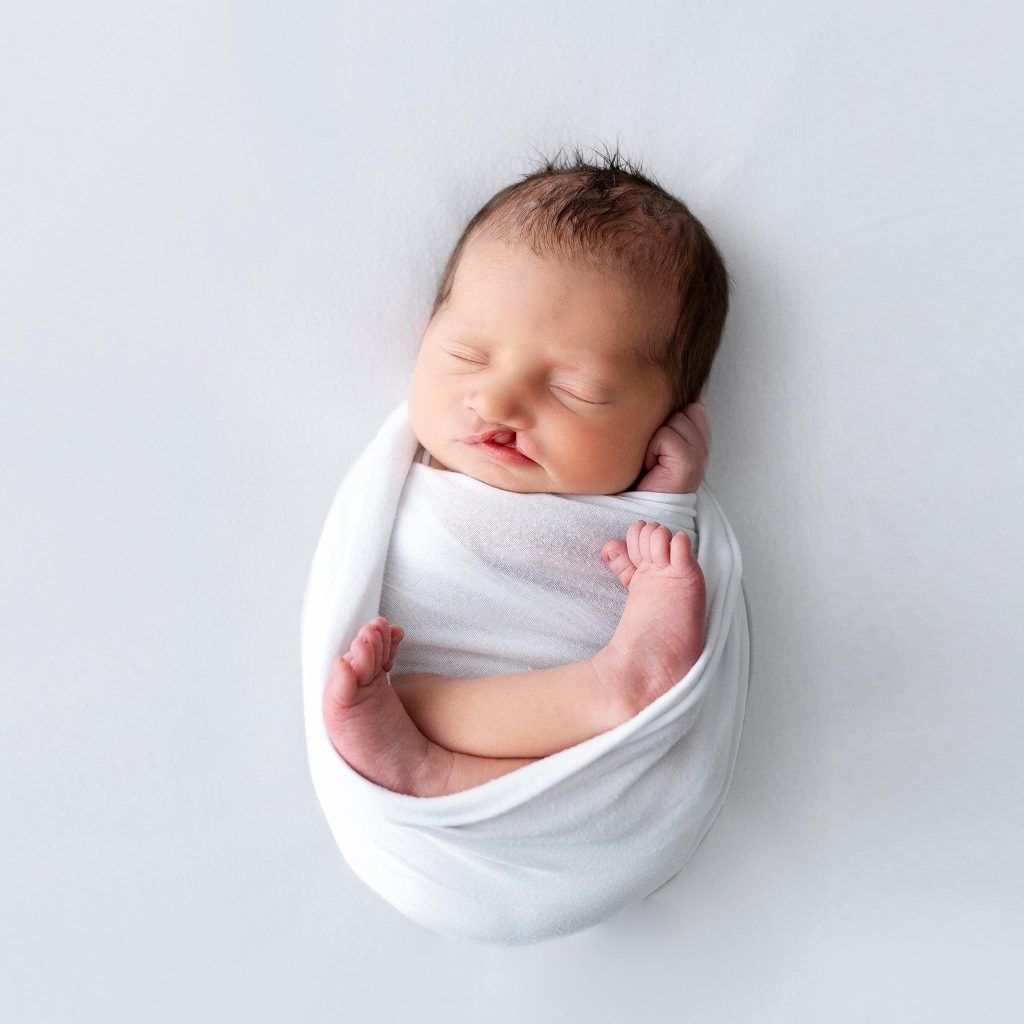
594,305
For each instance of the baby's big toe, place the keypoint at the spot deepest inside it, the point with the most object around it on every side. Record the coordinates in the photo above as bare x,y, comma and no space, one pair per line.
342,686
681,552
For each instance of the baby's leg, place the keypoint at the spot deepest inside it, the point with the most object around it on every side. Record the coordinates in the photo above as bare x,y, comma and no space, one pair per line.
372,732
526,713
657,641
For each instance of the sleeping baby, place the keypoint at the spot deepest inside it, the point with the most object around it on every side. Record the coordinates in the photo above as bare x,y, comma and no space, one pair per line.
562,369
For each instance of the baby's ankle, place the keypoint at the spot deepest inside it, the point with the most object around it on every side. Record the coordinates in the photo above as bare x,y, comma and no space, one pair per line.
617,673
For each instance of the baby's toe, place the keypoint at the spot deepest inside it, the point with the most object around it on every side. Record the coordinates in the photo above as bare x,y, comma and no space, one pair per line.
644,543
393,638
377,641
660,539
633,541
684,565
342,684
365,652
681,552
395,633
617,559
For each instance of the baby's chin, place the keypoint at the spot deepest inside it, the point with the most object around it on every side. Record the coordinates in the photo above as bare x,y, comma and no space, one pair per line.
507,478
528,480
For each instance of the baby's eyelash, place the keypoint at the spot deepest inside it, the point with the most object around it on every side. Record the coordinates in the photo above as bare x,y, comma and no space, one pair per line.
586,401
479,362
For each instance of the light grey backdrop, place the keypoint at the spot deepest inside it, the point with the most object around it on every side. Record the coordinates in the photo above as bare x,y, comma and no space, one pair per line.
222,226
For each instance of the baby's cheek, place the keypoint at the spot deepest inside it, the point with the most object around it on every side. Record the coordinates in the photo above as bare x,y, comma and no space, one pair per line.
610,467
423,413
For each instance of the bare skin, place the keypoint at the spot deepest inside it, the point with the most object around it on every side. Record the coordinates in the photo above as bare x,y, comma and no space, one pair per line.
431,735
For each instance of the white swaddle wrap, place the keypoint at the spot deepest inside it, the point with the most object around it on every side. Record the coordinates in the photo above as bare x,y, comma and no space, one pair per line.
522,577
485,581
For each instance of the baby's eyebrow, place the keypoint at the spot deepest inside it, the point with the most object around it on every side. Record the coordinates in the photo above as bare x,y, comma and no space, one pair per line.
607,379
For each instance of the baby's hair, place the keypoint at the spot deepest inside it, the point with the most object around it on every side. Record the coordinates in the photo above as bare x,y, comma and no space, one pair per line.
615,217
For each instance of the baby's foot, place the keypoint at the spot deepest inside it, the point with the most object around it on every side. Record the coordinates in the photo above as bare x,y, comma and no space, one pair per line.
368,725
661,632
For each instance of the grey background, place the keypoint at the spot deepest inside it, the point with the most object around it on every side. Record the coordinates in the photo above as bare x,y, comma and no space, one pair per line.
222,226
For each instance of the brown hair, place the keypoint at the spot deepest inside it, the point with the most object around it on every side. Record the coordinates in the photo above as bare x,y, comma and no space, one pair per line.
617,218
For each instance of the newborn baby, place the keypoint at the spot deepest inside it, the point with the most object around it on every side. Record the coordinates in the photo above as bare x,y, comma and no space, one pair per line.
561,357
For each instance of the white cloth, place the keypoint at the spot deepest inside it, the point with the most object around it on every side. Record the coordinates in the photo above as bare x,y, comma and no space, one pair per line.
515,582
502,557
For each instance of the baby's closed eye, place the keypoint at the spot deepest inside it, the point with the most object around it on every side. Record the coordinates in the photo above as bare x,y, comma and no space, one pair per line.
575,394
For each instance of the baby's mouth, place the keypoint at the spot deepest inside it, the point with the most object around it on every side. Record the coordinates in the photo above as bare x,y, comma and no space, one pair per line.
502,438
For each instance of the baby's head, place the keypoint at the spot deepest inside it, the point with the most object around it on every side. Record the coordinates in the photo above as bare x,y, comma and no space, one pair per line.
580,309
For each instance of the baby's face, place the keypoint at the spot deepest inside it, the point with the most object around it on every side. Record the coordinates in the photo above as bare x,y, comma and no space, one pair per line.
546,350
